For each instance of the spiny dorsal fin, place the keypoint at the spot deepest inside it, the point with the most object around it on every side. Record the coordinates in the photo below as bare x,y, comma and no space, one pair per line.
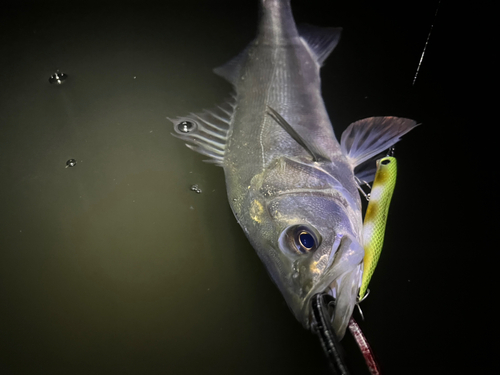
321,40
288,128
207,131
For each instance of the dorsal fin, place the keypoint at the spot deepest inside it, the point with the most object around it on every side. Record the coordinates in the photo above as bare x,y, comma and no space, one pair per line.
207,131
231,69
321,40
296,136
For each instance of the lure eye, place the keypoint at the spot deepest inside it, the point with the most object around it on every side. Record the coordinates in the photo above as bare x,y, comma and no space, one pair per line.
299,239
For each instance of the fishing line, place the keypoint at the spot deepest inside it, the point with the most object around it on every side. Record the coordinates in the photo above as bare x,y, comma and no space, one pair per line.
426,43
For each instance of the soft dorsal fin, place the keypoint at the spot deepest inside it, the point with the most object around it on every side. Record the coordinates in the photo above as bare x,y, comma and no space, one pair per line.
321,40
296,136
207,131
367,138
231,69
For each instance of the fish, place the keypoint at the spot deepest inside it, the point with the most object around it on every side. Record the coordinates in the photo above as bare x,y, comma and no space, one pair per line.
292,186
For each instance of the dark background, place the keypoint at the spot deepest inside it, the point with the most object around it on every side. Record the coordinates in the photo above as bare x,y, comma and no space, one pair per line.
116,266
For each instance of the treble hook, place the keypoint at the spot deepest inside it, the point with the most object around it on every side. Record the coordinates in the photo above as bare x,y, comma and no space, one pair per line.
359,306
360,183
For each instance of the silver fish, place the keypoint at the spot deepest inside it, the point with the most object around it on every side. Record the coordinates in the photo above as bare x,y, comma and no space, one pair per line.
292,187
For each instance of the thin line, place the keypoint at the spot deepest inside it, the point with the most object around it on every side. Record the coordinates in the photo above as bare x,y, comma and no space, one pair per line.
275,54
426,43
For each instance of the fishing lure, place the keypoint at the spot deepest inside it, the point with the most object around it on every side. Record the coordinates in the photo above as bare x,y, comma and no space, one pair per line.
376,217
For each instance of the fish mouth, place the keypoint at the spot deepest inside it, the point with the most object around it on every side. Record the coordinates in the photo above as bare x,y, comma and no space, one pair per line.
341,280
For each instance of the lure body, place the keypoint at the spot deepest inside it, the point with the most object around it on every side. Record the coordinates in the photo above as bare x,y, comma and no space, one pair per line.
376,217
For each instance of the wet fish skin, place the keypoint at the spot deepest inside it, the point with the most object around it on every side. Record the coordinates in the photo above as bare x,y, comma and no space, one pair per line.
275,188
280,64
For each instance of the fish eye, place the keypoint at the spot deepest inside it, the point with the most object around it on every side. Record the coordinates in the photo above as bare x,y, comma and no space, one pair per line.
306,240
299,239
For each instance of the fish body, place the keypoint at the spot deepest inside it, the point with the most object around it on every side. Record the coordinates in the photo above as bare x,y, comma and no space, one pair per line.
290,183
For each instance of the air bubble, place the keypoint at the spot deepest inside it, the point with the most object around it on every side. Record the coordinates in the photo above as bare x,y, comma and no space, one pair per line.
58,78
70,163
196,189
185,126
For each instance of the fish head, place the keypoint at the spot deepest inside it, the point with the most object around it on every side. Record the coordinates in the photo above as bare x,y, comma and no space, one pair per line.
306,229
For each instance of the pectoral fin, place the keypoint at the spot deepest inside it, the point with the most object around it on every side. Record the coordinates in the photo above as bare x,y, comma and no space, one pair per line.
308,146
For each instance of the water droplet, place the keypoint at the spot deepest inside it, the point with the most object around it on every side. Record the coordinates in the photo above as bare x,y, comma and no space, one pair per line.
58,78
196,189
70,163
186,126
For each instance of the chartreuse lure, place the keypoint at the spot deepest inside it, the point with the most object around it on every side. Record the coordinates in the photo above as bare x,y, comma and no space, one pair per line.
376,217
